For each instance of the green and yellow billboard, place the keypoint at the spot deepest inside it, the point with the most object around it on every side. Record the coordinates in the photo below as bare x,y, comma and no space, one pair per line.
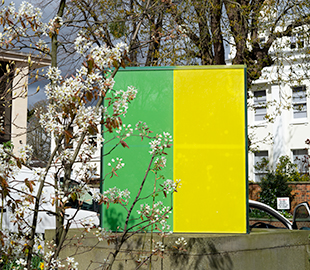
204,109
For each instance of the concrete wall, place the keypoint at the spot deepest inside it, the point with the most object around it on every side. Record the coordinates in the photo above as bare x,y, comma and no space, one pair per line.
261,249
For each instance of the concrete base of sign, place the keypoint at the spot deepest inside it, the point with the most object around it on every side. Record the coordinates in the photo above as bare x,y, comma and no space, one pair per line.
261,249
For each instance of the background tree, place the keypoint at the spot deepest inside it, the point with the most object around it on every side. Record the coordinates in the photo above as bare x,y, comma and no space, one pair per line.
37,137
182,32
70,119
250,28
275,183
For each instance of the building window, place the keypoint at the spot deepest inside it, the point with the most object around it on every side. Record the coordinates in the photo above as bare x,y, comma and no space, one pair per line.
301,159
299,101
261,165
297,41
260,105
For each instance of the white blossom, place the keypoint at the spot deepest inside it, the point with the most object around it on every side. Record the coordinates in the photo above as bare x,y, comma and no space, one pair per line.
160,143
81,44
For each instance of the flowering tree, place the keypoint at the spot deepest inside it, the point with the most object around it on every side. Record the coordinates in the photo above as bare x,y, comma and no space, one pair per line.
70,119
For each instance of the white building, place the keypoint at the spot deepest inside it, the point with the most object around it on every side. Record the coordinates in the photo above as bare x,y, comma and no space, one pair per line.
13,94
278,108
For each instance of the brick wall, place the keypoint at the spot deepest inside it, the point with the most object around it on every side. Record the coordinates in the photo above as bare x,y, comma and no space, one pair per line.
301,190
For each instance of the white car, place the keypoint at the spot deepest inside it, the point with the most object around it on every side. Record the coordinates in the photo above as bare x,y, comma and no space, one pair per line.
301,216
46,217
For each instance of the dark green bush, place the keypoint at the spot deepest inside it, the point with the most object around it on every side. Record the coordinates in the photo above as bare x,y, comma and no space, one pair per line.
276,183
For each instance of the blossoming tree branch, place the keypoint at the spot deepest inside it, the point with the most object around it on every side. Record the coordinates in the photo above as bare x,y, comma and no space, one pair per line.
71,120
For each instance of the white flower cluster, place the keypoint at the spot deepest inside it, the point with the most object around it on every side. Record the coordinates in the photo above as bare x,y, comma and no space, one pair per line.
27,18
160,163
54,24
47,120
107,83
27,10
72,265
10,9
160,143
116,164
107,55
55,263
71,92
8,166
181,242
156,214
102,55
103,234
63,94
21,262
99,31
82,44
141,126
113,195
54,74
25,152
41,44
120,106
87,115
65,156
14,243
142,258
88,171
182,29
92,79
124,131
159,246
40,173
170,185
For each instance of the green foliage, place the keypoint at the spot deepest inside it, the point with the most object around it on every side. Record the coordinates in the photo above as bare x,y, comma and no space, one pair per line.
289,170
262,166
256,213
118,27
37,263
276,183
8,145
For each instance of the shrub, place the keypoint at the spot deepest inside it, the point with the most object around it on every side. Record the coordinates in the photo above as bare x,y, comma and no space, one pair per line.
276,183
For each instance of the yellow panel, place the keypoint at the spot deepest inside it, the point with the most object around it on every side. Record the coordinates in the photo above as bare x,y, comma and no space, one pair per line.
209,151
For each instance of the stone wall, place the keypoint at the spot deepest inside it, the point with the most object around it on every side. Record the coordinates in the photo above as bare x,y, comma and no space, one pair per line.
261,249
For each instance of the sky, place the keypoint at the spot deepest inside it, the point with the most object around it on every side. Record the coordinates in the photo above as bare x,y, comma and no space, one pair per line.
48,13
33,97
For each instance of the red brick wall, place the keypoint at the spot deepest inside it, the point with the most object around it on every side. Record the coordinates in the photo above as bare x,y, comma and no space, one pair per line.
301,190
273,222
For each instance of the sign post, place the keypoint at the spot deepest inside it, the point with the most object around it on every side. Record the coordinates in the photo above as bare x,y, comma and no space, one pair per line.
283,203
204,109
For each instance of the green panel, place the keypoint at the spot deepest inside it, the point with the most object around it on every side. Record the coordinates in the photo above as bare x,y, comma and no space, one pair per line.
153,105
